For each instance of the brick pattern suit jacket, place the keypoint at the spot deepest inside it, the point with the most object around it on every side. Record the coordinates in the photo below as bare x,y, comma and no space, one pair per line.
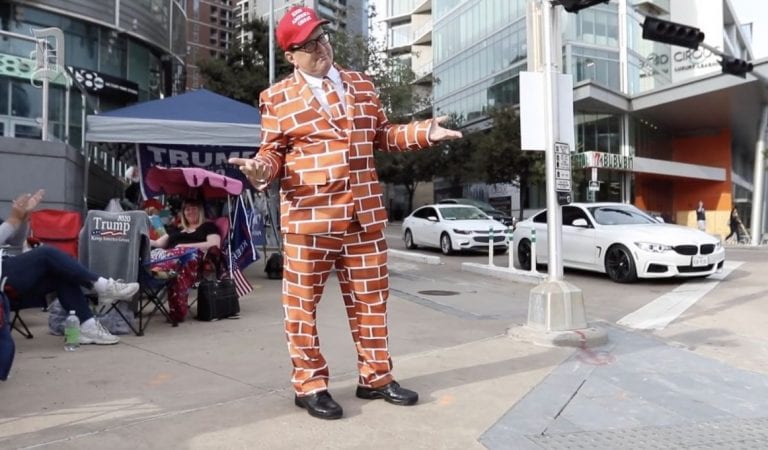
326,166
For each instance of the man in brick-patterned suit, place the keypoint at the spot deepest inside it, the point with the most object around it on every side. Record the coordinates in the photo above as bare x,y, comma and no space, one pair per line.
319,129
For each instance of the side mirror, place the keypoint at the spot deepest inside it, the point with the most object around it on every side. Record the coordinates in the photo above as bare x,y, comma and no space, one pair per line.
432,218
580,223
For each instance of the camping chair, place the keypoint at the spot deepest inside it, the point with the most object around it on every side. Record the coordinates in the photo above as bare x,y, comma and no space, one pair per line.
116,244
54,227
153,287
57,228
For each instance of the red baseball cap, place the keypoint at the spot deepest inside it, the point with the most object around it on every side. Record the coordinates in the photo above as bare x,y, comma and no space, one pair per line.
296,26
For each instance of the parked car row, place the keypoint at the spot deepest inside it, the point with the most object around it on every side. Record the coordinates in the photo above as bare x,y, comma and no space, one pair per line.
617,239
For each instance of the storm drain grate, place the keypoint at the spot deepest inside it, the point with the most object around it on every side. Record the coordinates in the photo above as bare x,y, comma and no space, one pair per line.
438,292
731,434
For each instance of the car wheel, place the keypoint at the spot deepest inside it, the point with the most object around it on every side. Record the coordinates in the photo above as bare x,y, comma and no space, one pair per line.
524,254
445,244
619,264
409,240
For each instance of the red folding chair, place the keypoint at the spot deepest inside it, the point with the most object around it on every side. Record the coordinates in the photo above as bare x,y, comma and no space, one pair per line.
55,227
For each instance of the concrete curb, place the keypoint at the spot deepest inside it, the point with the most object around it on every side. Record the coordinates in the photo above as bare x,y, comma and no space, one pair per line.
418,257
523,276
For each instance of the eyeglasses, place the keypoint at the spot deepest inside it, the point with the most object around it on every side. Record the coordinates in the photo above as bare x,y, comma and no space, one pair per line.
311,45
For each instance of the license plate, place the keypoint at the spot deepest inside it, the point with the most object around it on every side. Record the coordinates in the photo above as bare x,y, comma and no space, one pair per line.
699,260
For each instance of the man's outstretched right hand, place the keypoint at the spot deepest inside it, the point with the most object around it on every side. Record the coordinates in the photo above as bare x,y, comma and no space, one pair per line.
258,172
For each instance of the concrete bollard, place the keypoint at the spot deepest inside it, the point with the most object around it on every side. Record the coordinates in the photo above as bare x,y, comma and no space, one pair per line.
490,246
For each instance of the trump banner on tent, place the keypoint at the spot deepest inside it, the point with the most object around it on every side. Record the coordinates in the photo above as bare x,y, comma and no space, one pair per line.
208,157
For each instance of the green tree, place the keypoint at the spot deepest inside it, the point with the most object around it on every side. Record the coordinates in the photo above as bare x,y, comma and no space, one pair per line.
244,71
498,157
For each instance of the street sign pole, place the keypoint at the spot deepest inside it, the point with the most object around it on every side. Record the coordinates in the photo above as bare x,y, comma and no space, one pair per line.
554,218
556,314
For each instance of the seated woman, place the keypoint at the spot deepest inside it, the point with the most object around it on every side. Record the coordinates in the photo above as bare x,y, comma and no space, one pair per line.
45,269
194,232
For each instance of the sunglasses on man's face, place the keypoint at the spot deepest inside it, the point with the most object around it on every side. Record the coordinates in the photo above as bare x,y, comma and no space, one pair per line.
311,45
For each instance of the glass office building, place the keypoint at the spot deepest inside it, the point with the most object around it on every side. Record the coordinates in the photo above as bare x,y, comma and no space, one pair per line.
99,55
121,52
655,124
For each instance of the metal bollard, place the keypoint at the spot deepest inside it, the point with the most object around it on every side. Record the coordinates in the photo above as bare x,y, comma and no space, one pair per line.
533,250
510,248
490,246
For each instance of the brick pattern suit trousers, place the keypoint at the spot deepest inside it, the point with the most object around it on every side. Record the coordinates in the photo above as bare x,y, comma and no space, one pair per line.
360,260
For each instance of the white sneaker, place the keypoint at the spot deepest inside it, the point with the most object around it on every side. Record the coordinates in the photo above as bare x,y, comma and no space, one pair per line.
116,290
95,333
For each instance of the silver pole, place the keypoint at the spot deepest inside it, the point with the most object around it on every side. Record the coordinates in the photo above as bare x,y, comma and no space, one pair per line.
271,42
756,224
67,92
554,220
45,104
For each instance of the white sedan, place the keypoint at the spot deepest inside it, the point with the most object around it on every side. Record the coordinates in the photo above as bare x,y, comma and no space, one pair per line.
453,227
622,241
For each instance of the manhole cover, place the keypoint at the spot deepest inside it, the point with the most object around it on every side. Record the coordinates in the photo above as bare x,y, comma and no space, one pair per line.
438,292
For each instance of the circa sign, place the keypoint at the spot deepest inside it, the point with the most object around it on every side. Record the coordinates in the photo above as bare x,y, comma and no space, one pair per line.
683,60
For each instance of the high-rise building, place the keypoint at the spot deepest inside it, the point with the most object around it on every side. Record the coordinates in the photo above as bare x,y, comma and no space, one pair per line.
350,16
97,56
408,28
655,124
210,33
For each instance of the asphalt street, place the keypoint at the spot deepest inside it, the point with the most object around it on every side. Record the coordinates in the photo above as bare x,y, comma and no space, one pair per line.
226,384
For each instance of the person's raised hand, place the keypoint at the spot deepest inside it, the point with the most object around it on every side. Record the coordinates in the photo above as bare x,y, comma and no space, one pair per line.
437,133
257,171
24,204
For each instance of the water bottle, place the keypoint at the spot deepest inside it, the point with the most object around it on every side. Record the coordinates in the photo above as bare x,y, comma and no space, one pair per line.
71,332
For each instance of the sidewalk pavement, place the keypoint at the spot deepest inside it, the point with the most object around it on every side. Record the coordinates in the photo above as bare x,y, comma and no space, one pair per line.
226,384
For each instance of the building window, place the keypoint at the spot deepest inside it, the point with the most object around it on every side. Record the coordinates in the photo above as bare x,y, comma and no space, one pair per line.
400,35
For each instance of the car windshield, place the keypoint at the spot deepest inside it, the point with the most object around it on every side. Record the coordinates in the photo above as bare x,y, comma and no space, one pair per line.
485,207
462,213
620,215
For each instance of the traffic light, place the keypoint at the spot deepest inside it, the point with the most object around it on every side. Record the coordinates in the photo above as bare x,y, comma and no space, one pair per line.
672,33
735,66
574,6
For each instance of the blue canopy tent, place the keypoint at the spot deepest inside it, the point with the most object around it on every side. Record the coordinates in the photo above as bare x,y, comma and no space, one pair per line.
196,118
197,129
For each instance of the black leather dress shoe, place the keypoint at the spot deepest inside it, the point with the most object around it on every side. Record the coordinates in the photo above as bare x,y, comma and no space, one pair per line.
391,392
320,405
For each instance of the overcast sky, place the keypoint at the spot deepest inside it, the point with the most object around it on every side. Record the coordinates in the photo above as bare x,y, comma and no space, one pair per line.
754,11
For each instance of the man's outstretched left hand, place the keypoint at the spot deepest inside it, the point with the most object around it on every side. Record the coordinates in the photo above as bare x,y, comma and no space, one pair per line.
438,133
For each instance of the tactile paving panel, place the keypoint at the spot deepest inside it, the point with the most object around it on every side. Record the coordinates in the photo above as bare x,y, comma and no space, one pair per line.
731,435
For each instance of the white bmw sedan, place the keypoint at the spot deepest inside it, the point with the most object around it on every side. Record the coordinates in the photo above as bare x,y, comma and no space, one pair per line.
453,227
622,241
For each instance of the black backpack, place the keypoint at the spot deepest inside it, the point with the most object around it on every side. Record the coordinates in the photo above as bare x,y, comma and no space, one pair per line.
274,267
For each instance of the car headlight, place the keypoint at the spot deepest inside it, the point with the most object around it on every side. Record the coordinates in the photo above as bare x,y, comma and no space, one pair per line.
718,244
653,247
460,231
